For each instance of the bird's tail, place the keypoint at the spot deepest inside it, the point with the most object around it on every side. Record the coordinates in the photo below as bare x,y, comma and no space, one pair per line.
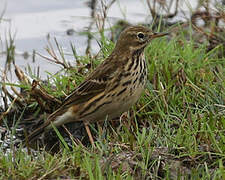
37,132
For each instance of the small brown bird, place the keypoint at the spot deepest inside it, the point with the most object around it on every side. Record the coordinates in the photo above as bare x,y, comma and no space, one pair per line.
111,89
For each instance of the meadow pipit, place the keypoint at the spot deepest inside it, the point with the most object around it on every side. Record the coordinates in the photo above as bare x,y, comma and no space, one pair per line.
112,88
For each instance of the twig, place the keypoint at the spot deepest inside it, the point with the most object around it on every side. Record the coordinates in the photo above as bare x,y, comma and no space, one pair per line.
41,93
54,60
156,15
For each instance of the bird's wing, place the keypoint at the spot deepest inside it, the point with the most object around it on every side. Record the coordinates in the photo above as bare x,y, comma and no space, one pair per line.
94,84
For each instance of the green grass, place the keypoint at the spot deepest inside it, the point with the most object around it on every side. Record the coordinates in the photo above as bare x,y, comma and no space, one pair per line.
176,130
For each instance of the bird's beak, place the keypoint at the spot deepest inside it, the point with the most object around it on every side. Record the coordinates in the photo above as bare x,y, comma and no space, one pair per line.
156,35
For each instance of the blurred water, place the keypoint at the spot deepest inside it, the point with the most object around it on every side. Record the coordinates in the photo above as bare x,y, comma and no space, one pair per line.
31,21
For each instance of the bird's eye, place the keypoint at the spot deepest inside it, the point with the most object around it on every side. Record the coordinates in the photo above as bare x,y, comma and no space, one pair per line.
140,35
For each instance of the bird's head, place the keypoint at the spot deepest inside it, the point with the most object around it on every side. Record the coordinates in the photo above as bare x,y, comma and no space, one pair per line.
136,37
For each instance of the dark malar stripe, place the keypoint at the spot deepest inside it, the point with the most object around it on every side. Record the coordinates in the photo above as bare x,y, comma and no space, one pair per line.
139,51
97,108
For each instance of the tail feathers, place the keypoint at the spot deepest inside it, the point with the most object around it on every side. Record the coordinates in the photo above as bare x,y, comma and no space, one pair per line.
37,132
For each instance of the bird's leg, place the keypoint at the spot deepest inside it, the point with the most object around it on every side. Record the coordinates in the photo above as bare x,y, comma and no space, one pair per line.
89,134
